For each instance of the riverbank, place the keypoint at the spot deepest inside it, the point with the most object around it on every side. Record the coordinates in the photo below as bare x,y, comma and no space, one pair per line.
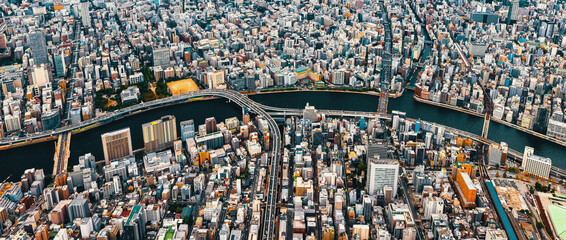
422,100
96,124
287,90
508,124
26,143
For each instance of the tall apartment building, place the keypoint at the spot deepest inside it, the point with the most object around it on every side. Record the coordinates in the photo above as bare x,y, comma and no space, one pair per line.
159,134
210,125
465,189
382,173
117,144
187,129
38,46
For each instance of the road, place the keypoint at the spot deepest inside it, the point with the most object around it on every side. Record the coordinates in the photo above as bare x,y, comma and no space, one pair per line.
409,201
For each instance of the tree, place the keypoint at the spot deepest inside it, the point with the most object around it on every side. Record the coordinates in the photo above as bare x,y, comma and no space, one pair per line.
497,174
361,167
531,189
505,174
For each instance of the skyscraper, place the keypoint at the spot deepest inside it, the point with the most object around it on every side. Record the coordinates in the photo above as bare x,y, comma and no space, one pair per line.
117,144
84,12
541,121
159,134
210,125
38,46
381,173
513,14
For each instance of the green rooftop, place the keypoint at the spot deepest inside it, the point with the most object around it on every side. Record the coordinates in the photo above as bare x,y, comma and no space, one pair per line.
558,216
170,233
135,211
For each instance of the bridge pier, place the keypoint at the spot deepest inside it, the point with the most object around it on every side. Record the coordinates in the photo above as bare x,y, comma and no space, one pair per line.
485,129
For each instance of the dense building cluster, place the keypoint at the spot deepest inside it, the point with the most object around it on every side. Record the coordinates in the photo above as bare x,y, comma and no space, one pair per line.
78,59
508,51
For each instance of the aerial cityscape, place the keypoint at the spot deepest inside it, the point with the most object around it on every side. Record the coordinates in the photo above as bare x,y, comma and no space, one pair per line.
287,120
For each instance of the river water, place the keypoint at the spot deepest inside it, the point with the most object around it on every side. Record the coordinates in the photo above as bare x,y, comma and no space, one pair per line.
41,155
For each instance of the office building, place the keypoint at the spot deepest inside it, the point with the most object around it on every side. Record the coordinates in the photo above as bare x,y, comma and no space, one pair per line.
134,227
84,12
117,144
497,153
38,47
187,129
381,173
556,129
79,208
161,56
527,152
50,120
538,165
159,134
12,123
212,141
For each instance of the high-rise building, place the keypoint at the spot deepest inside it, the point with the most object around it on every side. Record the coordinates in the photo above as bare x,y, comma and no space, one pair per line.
59,62
497,153
38,46
214,79
526,153
134,227
465,188
50,120
538,165
117,144
79,208
541,121
187,129
40,75
12,123
159,134
432,206
210,125
361,231
84,12
556,129
161,56
513,14
381,173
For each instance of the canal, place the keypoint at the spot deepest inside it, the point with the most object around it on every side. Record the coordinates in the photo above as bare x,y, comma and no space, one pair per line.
41,155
